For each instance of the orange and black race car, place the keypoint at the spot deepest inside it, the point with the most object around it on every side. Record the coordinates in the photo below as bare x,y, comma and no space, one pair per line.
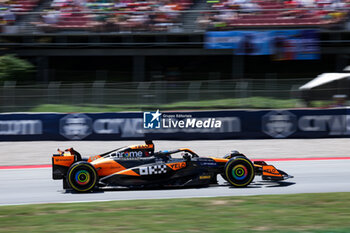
139,166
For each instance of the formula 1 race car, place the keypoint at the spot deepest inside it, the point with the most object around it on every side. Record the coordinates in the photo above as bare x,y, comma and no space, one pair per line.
139,166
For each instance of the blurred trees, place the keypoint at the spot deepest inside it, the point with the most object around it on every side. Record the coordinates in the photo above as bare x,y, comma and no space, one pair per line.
15,69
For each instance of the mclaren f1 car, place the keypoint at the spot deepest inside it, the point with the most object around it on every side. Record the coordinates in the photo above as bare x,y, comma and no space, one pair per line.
140,166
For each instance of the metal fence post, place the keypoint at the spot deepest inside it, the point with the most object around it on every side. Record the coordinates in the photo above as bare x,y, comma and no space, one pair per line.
53,92
98,93
242,92
143,93
77,93
193,90
9,96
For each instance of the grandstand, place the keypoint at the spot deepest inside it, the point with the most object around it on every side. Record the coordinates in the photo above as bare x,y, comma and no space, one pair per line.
75,41
110,16
167,15
275,13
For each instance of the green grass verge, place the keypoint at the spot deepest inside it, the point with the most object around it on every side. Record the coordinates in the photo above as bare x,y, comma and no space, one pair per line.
252,102
328,212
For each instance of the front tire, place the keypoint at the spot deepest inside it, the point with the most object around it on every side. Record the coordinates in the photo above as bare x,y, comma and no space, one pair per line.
82,177
239,171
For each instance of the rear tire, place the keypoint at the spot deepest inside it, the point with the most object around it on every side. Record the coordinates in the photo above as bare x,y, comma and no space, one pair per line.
223,176
82,177
239,171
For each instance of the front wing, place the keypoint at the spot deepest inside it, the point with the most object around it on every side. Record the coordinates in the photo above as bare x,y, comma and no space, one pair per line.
269,172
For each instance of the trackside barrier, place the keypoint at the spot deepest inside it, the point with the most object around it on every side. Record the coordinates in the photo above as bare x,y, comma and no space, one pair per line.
249,124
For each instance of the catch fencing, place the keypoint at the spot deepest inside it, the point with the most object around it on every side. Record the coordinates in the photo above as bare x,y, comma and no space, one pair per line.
141,95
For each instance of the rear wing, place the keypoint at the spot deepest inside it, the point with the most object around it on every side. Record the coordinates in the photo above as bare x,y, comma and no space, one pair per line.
66,157
61,163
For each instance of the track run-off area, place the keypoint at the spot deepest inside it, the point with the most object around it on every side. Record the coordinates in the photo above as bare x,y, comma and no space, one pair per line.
318,165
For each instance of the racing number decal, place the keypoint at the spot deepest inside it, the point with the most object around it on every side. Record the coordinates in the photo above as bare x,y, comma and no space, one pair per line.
152,170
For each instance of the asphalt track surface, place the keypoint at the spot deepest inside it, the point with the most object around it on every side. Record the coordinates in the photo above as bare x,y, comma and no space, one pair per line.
34,185
39,152
24,185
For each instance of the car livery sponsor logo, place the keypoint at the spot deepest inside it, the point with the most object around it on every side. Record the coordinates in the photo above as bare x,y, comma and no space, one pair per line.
141,147
153,170
92,158
204,177
137,158
207,162
273,170
212,164
62,160
279,124
177,166
129,154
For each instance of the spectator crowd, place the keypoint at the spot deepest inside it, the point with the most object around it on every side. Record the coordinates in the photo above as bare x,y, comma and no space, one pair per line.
116,16
9,9
228,14
167,15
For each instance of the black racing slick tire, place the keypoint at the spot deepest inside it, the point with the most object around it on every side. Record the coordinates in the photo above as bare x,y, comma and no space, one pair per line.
239,171
223,176
82,177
